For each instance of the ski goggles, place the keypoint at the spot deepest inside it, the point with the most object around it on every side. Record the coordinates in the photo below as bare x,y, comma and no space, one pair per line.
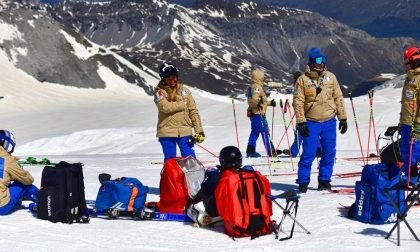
320,60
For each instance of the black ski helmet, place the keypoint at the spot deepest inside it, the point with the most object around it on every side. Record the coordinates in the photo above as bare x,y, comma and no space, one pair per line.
167,69
230,157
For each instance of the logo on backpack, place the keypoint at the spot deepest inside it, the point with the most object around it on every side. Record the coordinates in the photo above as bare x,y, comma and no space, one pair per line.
360,206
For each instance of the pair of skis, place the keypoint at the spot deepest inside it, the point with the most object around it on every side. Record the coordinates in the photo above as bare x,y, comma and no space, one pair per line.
115,213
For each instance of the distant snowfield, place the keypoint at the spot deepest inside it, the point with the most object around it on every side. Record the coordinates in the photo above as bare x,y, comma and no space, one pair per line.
113,130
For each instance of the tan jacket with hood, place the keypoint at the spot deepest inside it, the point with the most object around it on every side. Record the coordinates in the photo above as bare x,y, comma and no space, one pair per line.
411,88
178,112
255,93
10,171
318,106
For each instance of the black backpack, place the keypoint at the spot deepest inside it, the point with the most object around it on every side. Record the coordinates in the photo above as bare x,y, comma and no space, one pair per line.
62,194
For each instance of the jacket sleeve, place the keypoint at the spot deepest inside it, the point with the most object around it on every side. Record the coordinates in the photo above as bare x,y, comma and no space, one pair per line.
19,174
193,114
339,102
299,101
166,106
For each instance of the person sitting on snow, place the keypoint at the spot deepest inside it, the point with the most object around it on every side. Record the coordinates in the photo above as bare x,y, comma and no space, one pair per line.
177,116
257,101
317,100
15,182
409,126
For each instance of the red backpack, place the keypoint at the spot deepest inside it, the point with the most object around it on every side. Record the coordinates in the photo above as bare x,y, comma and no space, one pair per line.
242,204
179,183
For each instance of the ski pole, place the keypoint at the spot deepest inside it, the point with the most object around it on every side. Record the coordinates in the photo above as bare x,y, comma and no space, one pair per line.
357,127
272,125
412,135
290,123
283,110
236,125
264,139
214,155
370,123
373,124
296,132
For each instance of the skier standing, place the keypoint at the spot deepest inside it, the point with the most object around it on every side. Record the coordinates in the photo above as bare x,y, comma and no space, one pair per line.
15,182
317,100
177,116
409,116
257,101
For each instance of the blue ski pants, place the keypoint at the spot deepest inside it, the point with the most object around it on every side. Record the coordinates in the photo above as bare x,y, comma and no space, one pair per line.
17,192
169,146
297,145
324,133
259,126
405,148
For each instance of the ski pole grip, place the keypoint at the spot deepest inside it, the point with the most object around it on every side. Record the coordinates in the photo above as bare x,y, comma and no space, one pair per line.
370,94
350,96
281,103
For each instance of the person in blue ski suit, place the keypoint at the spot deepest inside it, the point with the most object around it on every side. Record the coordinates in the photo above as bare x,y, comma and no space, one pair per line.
257,107
317,101
177,116
409,116
15,182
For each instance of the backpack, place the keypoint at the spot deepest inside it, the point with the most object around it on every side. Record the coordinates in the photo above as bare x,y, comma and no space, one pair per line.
242,203
180,182
123,194
62,194
372,206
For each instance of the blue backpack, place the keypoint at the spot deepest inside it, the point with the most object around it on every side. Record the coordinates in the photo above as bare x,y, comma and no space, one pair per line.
123,194
372,205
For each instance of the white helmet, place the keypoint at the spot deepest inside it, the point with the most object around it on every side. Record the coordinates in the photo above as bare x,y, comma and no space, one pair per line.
7,140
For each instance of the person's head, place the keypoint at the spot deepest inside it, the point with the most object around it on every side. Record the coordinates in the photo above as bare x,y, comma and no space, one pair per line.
169,74
412,57
230,157
7,141
257,77
317,60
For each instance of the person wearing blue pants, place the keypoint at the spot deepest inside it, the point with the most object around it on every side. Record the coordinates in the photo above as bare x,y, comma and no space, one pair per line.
409,116
177,116
297,146
15,182
317,100
257,107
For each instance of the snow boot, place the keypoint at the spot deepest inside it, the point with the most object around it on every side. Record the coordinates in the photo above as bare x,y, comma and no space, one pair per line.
303,188
251,153
199,216
324,185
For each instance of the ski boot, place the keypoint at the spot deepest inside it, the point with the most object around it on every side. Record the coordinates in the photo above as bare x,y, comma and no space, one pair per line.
303,188
251,153
324,185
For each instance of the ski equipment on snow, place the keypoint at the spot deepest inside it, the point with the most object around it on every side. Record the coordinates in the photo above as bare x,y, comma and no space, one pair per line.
357,126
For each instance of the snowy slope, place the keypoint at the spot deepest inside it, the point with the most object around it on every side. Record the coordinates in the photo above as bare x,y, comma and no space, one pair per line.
112,130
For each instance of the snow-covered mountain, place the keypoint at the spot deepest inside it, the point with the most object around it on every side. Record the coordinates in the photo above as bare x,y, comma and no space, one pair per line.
52,53
216,43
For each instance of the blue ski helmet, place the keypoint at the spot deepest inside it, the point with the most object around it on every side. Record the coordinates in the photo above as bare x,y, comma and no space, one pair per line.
7,141
316,58
167,69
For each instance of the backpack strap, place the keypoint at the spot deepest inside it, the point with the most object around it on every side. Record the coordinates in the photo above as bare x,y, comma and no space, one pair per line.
69,217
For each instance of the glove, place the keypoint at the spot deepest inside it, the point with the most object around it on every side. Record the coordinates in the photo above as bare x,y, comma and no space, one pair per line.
342,126
197,138
303,129
273,103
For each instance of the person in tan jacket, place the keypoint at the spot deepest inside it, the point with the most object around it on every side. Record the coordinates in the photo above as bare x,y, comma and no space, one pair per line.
257,107
409,116
178,115
317,101
15,182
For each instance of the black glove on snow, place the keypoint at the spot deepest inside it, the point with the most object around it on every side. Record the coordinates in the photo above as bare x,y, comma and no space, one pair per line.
303,129
342,126
273,103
